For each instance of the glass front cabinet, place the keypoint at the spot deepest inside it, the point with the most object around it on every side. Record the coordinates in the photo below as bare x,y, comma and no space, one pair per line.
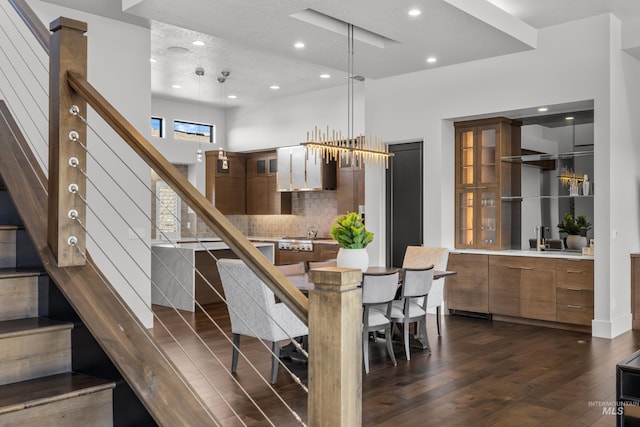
483,220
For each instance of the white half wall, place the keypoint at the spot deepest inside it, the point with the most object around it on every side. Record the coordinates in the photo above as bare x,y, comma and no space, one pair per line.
118,66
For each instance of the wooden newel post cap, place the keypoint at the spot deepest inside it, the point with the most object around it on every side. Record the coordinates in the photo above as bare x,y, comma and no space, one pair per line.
63,22
335,278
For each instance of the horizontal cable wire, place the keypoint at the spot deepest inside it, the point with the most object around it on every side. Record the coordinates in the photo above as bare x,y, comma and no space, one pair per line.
15,18
132,315
296,379
18,98
164,296
295,343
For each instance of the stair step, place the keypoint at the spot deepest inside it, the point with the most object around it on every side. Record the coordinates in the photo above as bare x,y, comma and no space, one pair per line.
68,399
32,348
19,293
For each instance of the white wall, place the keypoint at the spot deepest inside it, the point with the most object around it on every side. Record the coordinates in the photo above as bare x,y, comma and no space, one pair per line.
118,66
184,152
573,62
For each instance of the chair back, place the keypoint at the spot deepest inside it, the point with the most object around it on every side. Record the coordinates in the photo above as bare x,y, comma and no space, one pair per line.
250,302
422,257
378,289
417,282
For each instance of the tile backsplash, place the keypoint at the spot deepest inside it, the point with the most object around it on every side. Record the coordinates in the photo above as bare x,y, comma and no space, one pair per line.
309,209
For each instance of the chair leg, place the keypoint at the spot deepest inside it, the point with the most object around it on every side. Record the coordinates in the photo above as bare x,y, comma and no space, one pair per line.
275,360
406,339
365,350
422,326
234,354
387,336
438,320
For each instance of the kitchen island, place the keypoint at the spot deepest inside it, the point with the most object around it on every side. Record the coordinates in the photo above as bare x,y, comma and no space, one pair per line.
175,280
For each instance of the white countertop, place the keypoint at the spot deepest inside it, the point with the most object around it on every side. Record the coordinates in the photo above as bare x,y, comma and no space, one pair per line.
204,246
530,253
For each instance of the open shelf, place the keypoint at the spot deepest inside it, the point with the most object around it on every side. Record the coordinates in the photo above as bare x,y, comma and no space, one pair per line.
546,156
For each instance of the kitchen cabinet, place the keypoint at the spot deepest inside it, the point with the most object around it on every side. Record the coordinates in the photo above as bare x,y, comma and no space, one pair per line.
350,188
226,188
483,219
468,290
320,252
298,171
523,287
263,197
574,290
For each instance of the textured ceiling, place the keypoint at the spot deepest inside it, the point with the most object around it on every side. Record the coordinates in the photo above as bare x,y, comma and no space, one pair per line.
253,39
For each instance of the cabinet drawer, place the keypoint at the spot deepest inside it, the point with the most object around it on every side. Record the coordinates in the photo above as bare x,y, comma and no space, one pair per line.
574,297
577,274
575,314
325,251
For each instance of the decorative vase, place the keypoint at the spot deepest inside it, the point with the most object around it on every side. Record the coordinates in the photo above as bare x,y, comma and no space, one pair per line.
353,258
576,242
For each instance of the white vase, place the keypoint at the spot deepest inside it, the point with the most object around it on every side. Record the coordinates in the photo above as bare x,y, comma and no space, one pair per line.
576,242
353,258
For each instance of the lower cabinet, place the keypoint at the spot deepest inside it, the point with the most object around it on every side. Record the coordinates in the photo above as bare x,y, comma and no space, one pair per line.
468,290
541,288
523,287
574,291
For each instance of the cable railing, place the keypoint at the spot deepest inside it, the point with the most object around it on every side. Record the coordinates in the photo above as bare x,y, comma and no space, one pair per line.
96,204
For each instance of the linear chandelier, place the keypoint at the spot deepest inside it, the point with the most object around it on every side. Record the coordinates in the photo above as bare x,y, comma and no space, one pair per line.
353,150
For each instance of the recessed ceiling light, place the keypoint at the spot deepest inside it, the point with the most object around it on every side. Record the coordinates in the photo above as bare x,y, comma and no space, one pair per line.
569,118
274,87
176,86
232,96
431,59
543,109
153,60
298,45
198,43
325,76
414,12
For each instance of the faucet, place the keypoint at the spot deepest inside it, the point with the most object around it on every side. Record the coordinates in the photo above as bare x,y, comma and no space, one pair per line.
312,232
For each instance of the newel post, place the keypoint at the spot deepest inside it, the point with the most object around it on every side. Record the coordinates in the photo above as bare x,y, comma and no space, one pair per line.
68,52
335,347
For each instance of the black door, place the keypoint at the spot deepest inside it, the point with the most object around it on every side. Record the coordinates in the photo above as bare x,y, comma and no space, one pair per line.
404,201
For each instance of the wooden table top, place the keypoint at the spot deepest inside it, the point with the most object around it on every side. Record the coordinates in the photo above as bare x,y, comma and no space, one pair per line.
301,281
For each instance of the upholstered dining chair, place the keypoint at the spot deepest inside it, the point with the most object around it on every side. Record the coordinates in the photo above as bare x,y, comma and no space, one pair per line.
378,293
254,312
412,305
420,257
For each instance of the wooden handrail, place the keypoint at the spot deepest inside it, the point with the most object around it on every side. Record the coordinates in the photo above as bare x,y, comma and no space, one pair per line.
277,281
166,394
38,29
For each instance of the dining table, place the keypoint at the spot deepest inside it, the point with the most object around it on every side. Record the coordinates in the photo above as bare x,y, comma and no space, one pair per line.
301,281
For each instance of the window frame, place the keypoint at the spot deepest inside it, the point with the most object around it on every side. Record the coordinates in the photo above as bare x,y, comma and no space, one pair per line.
212,132
161,129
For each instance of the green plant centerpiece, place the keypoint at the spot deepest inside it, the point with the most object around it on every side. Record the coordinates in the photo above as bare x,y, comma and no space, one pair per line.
575,226
577,229
350,232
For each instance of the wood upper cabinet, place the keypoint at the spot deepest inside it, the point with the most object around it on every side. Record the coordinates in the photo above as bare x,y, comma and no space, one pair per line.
350,188
225,188
263,197
523,287
468,290
574,290
483,220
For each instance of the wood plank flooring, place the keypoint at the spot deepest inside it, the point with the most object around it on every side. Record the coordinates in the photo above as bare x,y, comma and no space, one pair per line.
479,373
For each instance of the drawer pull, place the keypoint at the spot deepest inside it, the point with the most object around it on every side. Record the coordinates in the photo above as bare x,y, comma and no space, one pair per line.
521,268
575,289
574,306
574,271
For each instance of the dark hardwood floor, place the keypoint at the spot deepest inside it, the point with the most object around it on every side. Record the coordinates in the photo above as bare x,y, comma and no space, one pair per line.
479,373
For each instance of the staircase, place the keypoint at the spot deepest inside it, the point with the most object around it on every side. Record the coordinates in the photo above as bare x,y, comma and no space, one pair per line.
37,384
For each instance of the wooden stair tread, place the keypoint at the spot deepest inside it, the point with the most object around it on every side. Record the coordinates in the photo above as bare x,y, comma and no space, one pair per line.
10,227
9,273
40,391
32,325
